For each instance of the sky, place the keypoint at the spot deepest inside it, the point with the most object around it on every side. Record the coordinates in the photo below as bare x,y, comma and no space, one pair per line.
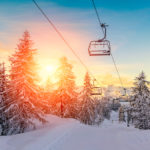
128,32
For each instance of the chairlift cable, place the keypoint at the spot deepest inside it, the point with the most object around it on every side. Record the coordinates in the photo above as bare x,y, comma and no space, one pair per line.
97,14
114,62
65,41
117,70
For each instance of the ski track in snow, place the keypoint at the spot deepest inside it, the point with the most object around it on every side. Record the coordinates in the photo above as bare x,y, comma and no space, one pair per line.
69,134
56,144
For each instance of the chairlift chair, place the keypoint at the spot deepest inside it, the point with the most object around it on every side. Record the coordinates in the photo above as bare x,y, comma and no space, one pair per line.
96,91
125,92
100,47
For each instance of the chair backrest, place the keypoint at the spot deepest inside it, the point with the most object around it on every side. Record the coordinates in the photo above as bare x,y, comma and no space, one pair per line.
99,48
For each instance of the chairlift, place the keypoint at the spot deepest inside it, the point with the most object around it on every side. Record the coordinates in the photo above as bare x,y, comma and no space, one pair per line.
100,47
95,89
125,92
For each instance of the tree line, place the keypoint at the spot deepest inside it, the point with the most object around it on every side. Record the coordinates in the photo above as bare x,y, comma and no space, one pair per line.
22,100
138,111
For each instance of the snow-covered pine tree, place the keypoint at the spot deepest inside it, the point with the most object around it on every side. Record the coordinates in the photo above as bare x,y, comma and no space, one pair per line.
122,114
47,97
99,108
24,90
4,101
87,111
66,94
141,103
106,107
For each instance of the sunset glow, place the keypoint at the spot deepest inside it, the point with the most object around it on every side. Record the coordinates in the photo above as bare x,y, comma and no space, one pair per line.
50,46
47,71
82,64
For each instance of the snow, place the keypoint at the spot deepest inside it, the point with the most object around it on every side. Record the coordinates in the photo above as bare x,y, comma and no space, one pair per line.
125,104
69,134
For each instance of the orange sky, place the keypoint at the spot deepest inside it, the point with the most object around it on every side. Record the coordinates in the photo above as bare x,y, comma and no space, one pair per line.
50,48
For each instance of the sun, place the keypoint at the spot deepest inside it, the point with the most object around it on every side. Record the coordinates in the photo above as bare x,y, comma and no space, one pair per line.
49,69
47,72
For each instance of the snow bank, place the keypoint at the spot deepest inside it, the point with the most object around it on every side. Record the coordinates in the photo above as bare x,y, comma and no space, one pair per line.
69,134
38,139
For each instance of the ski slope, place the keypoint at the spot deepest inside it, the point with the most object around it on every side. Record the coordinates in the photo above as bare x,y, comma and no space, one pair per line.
69,134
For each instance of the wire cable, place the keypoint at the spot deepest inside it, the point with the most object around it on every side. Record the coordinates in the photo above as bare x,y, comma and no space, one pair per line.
98,17
62,37
97,14
117,70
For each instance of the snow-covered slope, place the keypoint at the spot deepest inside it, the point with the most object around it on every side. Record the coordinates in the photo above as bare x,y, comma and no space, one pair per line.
69,134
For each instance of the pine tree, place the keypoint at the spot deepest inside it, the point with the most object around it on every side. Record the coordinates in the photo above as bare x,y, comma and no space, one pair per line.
87,112
4,101
99,111
141,103
49,85
122,114
24,90
106,107
47,97
66,94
